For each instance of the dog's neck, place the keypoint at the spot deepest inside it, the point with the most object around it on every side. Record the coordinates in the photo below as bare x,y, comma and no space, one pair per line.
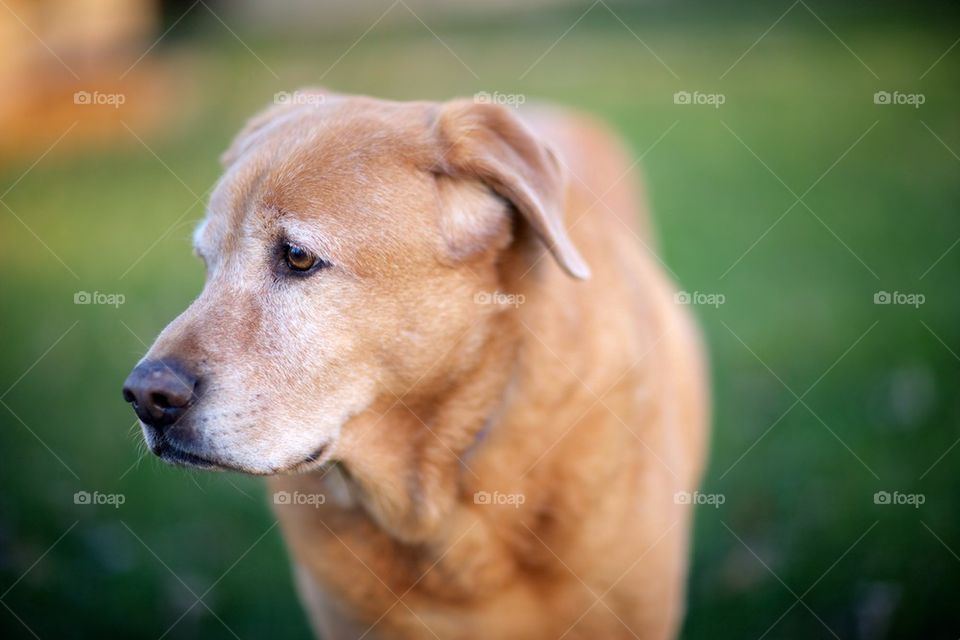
406,463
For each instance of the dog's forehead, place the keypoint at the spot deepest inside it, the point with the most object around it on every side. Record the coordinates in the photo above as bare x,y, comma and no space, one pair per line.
345,163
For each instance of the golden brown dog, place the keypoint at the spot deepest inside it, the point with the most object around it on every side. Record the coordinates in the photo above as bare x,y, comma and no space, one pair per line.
433,326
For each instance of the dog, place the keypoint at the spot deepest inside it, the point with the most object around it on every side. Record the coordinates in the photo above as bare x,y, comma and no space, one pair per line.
440,330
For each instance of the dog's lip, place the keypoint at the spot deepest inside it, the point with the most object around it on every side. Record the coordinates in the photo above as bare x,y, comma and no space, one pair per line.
175,455
316,455
316,460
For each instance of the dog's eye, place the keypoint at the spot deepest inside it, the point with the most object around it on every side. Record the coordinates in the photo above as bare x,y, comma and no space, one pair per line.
300,260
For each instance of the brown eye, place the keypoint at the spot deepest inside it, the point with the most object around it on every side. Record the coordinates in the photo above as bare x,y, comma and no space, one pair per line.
298,258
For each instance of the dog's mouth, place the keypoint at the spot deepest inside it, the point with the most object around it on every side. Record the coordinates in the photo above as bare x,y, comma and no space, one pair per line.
313,462
172,454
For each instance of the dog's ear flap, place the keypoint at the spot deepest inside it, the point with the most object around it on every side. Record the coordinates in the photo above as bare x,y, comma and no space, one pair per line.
284,103
487,142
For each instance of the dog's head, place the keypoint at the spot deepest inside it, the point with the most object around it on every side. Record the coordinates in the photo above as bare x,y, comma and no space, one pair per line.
345,248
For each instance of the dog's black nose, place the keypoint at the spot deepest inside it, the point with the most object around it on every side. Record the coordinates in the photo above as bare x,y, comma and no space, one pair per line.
160,391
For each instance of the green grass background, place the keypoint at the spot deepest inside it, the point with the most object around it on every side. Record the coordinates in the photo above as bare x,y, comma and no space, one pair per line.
799,520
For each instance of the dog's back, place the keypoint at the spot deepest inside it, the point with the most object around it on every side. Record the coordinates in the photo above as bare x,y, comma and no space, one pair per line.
609,219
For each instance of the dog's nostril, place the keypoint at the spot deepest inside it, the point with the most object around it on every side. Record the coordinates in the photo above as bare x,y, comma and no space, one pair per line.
160,400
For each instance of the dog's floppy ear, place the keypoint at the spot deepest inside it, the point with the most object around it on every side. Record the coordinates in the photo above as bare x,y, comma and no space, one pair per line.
487,142
284,104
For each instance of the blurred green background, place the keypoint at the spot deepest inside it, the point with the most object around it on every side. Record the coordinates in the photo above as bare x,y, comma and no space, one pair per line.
822,397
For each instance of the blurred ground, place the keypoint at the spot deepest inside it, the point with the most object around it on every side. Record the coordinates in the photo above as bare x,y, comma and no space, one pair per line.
797,200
